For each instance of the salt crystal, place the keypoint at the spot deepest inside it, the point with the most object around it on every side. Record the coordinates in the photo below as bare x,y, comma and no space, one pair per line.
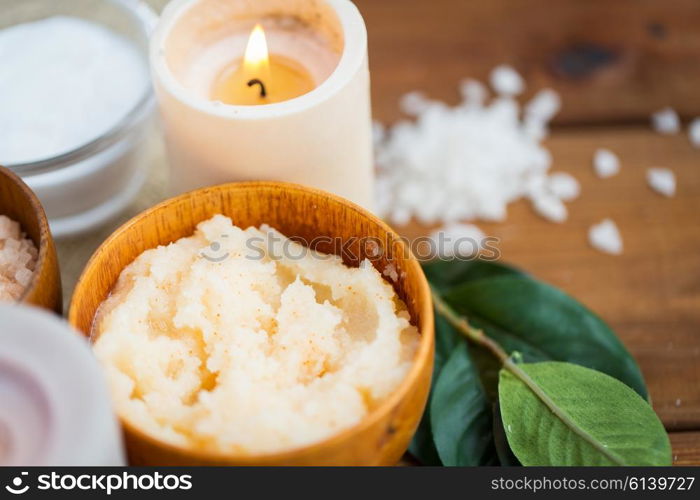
12,245
505,110
10,291
390,272
378,132
535,130
506,81
18,257
401,216
473,92
414,103
372,249
564,186
457,240
605,163
23,257
666,121
8,228
605,237
694,132
492,211
550,207
23,277
662,180
544,105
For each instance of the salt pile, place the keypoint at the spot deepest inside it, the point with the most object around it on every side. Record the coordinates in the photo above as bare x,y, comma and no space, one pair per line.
18,257
470,161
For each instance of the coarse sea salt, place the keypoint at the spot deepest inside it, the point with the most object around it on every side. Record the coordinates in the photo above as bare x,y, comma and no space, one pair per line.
694,132
470,161
64,82
550,207
666,121
564,186
606,237
457,240
18,257
662,180
605,163
506,81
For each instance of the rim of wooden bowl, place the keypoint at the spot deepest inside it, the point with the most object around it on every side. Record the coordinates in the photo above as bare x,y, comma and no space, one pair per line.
424,309
42,221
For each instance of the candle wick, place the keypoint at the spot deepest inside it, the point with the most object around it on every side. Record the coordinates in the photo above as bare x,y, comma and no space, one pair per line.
255,81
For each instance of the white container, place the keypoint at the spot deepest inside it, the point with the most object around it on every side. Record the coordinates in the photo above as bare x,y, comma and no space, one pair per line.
56,408
322,138
86,187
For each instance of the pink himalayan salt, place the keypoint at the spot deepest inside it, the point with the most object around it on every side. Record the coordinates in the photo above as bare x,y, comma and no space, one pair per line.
18,257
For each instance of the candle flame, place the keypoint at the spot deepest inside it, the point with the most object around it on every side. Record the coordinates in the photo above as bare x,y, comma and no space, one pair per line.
256,60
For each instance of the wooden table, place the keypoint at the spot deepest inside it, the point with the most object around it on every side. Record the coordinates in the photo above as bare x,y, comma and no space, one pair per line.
614,62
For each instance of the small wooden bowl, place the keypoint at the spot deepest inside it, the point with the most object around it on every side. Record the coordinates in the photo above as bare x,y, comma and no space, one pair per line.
19,203
379,439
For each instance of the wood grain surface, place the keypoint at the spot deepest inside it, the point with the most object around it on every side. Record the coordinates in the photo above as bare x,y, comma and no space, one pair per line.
650,295
686,448
614,62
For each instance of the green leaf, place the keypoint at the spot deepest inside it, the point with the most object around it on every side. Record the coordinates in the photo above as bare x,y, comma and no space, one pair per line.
579,417
446,274
446,339
422,446
460,415
544,324
505,454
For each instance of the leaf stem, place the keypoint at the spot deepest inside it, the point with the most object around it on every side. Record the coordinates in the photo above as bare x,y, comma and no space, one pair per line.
476,335
479,337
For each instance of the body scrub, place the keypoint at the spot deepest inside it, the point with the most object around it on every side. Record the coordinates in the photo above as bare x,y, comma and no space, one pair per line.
18,257
243,341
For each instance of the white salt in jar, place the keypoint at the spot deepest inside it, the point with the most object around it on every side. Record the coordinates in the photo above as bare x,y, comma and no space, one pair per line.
76,104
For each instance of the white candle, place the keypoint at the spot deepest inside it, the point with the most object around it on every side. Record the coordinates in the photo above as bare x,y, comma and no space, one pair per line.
321,138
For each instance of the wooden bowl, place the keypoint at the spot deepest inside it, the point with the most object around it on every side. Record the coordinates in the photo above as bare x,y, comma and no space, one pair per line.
19,203
381,437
